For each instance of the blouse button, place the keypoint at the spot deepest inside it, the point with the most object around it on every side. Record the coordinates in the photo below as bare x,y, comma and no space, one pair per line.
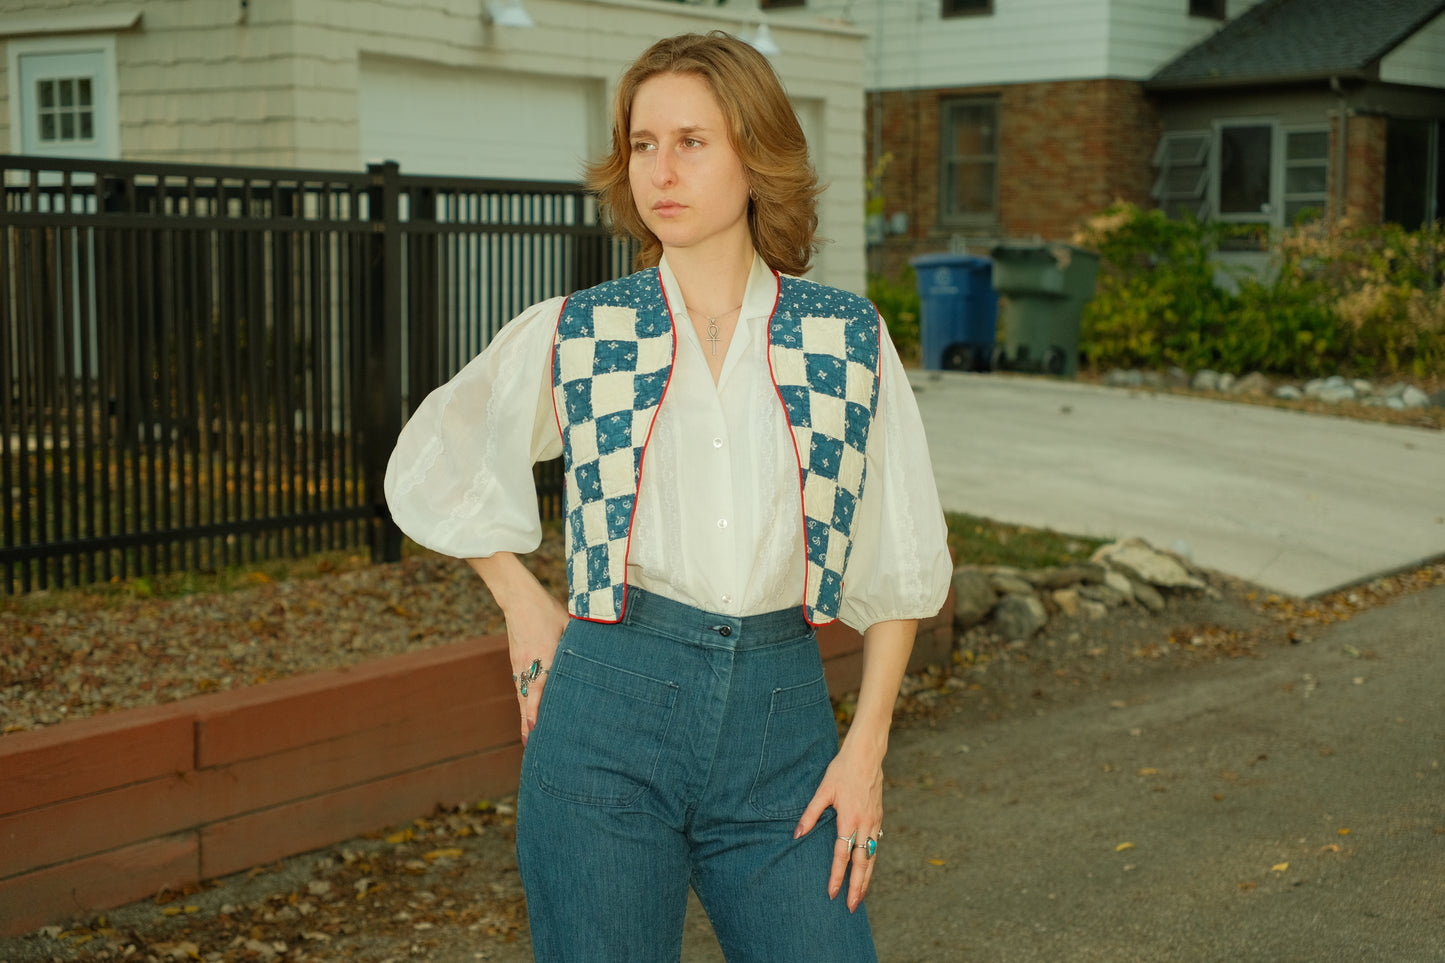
717,442
727,599
722,523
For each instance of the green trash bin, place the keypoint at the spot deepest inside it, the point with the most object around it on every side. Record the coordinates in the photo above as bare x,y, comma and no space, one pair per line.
1046,286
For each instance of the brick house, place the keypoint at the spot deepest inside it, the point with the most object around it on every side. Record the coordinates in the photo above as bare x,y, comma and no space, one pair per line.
1022,118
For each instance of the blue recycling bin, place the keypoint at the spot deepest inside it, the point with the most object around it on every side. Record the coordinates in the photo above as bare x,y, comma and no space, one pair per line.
959,324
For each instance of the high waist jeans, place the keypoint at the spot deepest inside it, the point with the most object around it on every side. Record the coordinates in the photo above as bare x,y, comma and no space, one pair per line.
680,747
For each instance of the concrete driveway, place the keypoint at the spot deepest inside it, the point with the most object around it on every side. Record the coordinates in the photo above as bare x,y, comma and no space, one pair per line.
1296,502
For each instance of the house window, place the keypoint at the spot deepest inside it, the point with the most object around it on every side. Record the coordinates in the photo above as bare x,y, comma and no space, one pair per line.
1214,9
1306,173
1414,172
779,4
62,93
1246,162
968,161
1182,186
966,8
65,110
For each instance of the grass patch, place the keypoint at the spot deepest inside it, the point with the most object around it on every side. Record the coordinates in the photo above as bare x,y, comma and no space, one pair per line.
120,592
981,541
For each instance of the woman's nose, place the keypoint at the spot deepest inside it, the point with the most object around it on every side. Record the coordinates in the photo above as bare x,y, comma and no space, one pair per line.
662,172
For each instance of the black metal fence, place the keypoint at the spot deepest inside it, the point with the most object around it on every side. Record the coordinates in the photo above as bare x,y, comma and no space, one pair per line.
206,366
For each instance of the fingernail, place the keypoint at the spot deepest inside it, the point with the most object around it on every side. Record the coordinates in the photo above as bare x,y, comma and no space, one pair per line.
797,831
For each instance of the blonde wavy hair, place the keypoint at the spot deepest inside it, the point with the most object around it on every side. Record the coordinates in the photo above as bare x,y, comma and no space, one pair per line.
765,133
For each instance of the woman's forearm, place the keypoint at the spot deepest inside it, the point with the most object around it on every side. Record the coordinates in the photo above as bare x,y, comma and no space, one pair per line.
886,648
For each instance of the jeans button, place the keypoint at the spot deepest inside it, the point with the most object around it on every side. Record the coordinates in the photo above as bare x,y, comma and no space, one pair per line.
724,630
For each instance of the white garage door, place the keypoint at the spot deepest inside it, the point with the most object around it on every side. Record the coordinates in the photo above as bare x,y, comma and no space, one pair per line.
446,120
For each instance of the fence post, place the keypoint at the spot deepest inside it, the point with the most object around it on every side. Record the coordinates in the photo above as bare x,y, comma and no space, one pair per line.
382,381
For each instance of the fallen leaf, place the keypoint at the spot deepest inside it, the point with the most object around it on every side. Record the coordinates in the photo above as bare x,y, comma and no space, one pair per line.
451,852
1279,867
1345,831
405,836
1331,848
937,862
1247,886
1148,772
1123,846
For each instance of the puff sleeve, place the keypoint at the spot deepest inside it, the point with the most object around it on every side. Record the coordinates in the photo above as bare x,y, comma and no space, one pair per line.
899,567
460,477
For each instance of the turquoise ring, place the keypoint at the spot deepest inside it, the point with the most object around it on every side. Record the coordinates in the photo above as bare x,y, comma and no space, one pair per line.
869,847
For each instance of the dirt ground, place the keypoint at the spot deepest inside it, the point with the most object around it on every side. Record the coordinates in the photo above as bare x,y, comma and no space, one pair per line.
445,887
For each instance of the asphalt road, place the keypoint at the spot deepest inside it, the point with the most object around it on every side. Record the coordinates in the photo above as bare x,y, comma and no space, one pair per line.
1284,809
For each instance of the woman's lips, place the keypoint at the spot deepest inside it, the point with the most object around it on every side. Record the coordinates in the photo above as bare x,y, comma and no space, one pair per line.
667,208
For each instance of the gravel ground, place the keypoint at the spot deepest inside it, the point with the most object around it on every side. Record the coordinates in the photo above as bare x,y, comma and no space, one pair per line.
85,658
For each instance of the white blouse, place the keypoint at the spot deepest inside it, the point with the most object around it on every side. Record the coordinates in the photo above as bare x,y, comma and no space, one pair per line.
718,516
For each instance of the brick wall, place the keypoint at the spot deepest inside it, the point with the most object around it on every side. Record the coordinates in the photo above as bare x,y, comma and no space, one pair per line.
1365,169
1066,151
99,812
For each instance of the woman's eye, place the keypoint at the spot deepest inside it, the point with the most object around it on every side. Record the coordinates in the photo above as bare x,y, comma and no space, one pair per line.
691,142
640,146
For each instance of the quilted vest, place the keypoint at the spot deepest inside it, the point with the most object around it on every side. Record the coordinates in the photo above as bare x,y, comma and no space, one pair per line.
611,362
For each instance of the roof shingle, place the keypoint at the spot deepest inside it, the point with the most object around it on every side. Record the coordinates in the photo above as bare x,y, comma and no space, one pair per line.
1283,40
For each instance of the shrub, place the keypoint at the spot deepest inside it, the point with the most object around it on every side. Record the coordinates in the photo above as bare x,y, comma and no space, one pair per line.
897,300
1338,298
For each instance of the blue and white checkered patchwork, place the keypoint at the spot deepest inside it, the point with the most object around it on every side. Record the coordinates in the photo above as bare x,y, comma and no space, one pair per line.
610,365
824,353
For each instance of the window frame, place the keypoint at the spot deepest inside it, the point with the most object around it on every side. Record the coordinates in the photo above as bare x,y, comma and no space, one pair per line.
24,102
781,4
1209,9
947,217
1273,216
1286,163
949,9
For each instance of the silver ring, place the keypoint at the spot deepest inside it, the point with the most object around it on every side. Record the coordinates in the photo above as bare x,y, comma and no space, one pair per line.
850,837
869,845
527,676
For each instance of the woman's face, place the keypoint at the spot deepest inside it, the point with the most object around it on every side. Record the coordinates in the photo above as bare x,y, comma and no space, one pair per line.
687,181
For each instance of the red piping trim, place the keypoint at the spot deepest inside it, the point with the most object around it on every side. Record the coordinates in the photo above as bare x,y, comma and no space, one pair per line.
797,456
671,367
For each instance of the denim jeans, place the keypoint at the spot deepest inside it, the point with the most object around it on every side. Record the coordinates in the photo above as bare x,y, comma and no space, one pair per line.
677,748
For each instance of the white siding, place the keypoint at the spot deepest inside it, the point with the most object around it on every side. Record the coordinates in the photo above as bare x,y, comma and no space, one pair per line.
912,46
1144,35
1420,60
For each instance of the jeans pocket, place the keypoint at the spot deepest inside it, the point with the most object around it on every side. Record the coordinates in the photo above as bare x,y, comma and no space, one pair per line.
800,739
605,731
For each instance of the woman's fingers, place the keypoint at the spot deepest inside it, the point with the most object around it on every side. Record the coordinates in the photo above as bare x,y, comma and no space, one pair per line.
860,873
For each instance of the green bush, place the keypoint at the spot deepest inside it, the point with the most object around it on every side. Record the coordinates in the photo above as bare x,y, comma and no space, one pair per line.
897,301
1358,300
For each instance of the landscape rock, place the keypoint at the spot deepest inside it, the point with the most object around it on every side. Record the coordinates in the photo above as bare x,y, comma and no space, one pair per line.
1019,617
1148,596
1288,393
1120,583
1124,378
1413,397
1065,575
1103,594
1094,610
1205,379
1067,600
1253,383
1006,583
1226,382
973,597
1136,559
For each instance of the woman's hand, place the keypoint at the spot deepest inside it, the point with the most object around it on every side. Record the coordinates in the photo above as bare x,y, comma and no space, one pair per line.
535,623
853,786
533,632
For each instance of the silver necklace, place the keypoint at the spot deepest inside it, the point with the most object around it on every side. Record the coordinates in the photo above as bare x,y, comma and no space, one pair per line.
712,334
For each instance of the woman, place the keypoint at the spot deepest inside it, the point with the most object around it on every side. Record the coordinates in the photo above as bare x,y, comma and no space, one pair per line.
744,461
